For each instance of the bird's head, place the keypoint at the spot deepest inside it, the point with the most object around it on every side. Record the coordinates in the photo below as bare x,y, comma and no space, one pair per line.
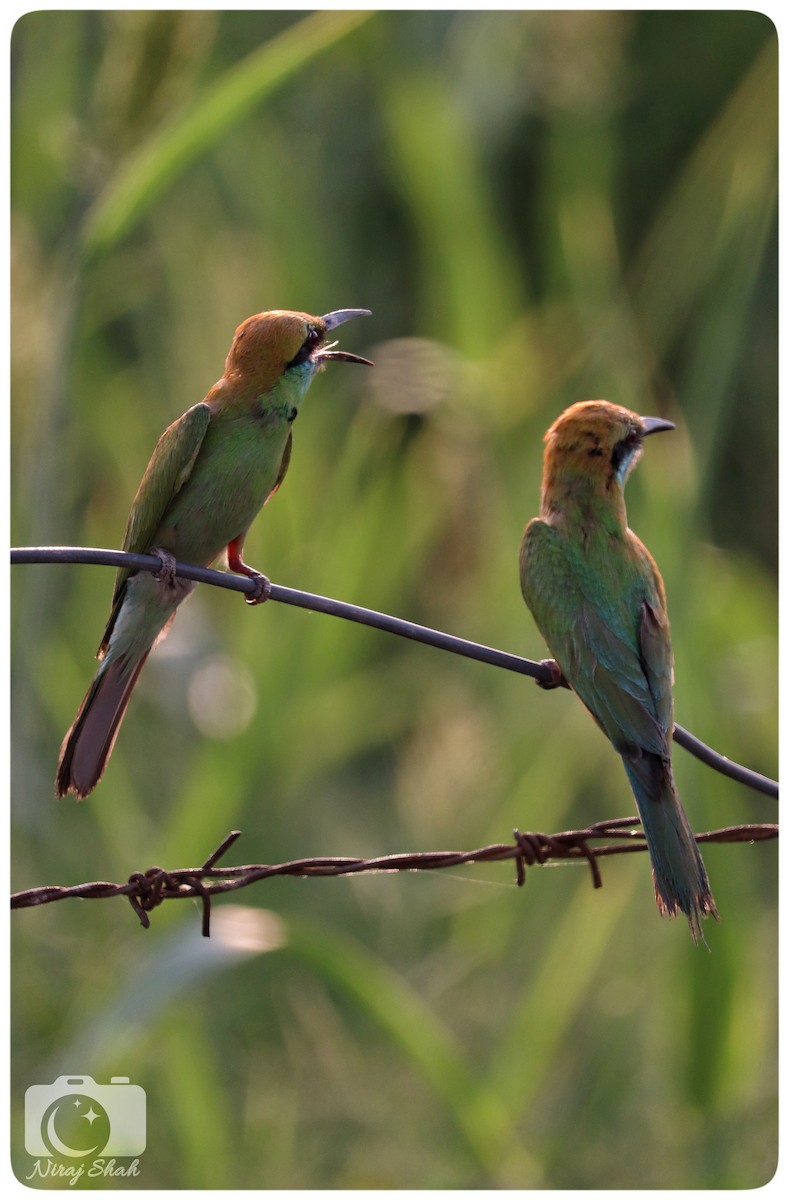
277,346
598,440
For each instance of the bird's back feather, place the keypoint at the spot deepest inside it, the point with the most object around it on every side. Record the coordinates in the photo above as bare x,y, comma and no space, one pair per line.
591,621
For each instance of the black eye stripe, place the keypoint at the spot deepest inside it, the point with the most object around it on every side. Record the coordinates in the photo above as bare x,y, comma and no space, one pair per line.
308,345
623,447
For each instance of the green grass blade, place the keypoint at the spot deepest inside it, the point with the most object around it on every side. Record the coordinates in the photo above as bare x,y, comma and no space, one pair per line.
171,151
397,1008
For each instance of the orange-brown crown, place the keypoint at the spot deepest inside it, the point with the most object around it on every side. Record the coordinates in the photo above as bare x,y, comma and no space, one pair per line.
590,429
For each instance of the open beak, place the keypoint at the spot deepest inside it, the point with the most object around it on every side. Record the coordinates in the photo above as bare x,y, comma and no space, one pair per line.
331,321
655,425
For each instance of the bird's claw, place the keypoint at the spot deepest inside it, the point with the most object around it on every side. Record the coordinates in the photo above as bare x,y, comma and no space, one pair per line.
262,588
166,573
556,679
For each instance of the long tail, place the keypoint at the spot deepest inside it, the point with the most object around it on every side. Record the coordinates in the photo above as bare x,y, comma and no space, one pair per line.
681,883
88,743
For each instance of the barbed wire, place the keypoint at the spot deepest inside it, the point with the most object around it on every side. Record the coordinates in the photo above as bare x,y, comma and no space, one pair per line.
146,890
544,672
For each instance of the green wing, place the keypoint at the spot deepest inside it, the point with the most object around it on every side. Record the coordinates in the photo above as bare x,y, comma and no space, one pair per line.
616,654
168,470
658,660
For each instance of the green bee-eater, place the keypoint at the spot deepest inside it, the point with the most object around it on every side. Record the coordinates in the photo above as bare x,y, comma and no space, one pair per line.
598,599
211,472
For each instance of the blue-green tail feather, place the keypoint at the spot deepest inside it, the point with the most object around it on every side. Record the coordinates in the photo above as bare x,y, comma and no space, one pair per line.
681,883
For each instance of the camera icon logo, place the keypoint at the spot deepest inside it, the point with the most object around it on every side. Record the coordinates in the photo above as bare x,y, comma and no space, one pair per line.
76,1118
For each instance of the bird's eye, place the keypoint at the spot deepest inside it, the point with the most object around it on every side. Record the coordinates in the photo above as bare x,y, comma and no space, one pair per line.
308,345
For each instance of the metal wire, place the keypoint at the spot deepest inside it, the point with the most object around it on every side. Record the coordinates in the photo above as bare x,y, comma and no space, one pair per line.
146,890
545,672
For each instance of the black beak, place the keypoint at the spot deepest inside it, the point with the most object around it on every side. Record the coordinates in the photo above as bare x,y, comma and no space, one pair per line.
655,425
331,321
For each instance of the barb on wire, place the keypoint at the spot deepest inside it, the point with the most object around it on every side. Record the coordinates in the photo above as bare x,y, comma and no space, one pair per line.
146,890
544,672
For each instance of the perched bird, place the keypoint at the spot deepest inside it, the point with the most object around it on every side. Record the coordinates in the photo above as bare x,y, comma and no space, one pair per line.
210,474
598,599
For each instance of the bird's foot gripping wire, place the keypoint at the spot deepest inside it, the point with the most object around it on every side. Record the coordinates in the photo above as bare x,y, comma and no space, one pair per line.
262,587
262,584
556,679
166,573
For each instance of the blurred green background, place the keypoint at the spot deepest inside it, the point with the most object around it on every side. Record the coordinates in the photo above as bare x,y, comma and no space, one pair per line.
539,207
